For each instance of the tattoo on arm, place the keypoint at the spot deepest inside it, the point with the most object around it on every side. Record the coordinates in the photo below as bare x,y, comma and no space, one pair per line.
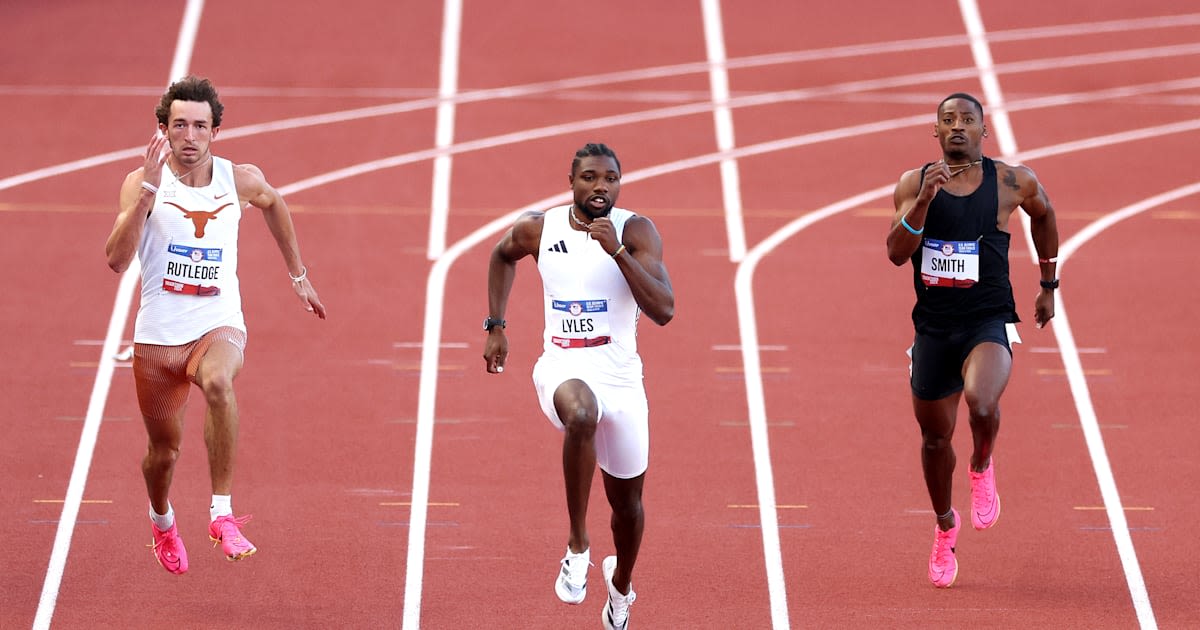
1010,180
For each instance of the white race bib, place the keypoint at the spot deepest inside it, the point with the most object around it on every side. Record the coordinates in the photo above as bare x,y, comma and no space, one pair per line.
949,263
579,319
192,270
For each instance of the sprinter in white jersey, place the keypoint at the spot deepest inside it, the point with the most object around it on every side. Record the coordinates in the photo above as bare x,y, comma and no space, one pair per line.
601,266
179,214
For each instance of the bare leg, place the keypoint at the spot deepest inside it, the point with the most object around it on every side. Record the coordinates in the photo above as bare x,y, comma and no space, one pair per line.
985,374
628,521
215,375
937,419
162,451
578,410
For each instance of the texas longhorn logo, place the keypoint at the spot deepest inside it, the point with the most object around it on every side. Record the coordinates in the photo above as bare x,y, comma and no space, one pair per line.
199,218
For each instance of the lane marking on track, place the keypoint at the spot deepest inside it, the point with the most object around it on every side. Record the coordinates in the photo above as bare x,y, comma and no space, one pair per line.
731,187
444,126
1087,413
82,501
1063,372
746,423
755,506
413,367
1127,508
430,503
738,369
650,73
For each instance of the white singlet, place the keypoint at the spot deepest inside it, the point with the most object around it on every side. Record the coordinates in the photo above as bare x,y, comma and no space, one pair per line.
591,316
591,335
189,260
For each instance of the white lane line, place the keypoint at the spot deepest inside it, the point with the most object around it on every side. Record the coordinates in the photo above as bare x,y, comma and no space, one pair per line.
1087,413
668,71
418,512
718,80
99,397
1074,368
731,193
994,97
444,130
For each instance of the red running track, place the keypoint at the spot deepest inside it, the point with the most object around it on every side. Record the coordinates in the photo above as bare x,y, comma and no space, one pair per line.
330,409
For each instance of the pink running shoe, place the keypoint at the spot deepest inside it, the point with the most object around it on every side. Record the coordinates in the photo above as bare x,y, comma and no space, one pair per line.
169,551
943,566
225,530
985,503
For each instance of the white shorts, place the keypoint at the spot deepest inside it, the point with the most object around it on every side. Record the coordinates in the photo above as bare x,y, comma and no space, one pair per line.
623,426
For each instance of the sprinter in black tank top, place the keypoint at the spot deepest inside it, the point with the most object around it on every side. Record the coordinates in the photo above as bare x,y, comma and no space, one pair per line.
951,223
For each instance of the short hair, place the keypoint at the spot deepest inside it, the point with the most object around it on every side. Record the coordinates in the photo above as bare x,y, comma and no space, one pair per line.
594,149
190,88
964,96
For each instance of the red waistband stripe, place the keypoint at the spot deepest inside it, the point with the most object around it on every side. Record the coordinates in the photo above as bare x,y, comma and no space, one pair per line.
564,342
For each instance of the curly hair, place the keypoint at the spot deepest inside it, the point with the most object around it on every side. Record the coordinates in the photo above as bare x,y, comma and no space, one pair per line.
593,150
190,88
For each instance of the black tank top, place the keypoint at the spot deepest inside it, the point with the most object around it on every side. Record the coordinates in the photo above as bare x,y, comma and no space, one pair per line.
968,218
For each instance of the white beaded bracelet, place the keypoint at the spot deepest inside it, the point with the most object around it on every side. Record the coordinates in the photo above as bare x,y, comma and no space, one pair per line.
151,187
300,278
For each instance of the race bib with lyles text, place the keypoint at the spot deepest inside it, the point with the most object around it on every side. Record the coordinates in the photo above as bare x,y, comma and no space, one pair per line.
949,263
580,319
192,270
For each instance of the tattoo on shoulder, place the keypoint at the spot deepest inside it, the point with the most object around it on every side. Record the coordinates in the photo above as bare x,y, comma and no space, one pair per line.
1010,179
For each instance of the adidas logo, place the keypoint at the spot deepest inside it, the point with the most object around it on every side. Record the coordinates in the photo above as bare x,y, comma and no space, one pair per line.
560,247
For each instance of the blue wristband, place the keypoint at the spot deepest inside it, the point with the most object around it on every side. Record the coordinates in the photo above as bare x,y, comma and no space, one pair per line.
910,228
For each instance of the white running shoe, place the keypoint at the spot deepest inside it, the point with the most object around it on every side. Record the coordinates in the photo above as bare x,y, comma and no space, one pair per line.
616,610
571,584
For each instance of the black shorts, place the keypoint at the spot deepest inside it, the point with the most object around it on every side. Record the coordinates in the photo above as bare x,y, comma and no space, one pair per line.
937,360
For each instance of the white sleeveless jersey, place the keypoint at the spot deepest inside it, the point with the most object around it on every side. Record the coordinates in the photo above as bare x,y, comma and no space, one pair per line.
189,260
591,316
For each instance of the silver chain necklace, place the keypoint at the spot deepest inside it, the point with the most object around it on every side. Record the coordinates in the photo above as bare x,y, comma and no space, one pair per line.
576,221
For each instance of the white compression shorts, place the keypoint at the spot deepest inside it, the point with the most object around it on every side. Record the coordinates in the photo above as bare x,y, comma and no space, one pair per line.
623,427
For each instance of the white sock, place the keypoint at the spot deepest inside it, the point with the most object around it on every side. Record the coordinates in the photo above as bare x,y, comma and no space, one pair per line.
222,505
163,521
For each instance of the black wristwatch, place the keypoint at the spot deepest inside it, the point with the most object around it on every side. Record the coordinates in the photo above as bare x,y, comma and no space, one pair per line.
489,323
1051,285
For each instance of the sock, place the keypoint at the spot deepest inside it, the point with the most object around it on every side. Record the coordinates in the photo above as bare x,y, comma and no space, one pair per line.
222,505
163,521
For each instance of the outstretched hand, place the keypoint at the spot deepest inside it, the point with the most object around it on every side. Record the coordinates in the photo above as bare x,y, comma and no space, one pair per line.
308,296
